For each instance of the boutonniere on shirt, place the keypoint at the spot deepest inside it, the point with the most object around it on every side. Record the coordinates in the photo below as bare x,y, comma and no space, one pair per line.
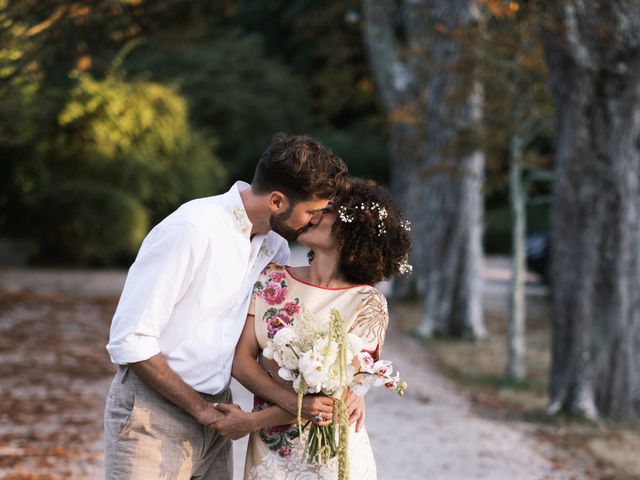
240,216
266,251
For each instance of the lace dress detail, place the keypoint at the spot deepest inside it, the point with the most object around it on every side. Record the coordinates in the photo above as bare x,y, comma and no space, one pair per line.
275,453
275,467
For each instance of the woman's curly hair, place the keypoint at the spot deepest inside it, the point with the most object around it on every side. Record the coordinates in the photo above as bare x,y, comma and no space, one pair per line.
373,237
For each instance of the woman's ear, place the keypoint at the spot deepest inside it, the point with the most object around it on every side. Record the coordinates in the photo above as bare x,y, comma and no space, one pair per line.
278,202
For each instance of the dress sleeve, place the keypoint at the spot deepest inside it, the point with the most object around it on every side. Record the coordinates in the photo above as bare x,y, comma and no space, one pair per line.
252,303
257,288
371,322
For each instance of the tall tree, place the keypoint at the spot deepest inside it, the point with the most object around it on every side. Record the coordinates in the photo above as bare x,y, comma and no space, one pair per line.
424,57
518,112
593,54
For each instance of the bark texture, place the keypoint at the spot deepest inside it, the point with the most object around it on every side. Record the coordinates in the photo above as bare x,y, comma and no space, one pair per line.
593,54
516,368
423,58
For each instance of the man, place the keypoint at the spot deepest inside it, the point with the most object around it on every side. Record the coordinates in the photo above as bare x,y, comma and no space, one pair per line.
183,308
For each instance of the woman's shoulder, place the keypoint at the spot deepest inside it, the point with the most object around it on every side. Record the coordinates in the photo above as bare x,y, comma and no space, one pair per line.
369,293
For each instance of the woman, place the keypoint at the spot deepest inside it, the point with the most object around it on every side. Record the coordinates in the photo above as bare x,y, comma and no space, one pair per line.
360,240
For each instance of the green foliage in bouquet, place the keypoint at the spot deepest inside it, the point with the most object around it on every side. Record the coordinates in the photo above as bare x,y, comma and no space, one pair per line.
321,443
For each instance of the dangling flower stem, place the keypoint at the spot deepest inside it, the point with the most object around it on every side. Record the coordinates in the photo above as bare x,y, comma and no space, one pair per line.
340,407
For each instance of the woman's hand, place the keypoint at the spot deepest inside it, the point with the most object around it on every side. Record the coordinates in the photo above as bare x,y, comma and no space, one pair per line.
356,410
318,409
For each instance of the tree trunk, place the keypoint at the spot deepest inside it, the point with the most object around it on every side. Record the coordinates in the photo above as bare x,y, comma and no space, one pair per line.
593,55
452,169
516,368
434,105
396,82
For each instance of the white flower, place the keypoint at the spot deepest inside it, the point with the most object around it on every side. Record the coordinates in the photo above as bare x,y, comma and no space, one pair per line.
405,268
382,370
343,215
285,336
285,374
268,351
355,345
366,362
327,351
313,371
392,382
361,388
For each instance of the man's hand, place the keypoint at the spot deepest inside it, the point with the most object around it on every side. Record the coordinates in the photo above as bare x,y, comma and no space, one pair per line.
157,374
356,410
209,414
234,422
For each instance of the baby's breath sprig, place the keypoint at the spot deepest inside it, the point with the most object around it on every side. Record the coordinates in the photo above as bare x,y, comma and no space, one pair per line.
405,267
342,214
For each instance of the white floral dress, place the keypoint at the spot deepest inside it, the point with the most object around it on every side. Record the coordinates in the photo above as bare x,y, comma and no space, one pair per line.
275,453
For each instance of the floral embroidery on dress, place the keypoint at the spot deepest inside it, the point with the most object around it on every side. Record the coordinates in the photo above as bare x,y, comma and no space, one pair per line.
273,290
273,466
279,438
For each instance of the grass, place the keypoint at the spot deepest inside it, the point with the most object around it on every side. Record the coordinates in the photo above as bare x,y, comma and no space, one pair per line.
603,450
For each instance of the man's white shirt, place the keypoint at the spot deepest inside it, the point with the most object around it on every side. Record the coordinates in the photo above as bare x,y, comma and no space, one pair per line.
187,293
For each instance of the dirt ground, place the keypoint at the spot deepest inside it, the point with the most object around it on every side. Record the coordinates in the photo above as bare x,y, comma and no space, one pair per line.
55,373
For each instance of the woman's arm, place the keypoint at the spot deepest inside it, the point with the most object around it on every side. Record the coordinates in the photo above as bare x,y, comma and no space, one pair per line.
250,374
236,423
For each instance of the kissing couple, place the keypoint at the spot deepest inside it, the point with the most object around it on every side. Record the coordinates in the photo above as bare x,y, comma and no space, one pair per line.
211,287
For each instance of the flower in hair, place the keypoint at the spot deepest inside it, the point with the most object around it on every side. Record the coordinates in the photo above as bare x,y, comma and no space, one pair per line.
343,215
405,267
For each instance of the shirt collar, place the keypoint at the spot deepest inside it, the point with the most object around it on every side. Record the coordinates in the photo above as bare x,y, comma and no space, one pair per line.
236,208
242,223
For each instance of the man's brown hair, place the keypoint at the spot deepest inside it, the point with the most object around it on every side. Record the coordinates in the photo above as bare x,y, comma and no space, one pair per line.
300,167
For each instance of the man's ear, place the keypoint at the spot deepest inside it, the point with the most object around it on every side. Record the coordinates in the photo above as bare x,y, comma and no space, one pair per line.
278,202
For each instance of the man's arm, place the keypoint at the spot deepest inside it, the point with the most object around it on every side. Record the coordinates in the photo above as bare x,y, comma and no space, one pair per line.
156,373
162,272
164,269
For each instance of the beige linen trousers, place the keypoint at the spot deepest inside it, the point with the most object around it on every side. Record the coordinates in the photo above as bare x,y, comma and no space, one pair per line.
149,438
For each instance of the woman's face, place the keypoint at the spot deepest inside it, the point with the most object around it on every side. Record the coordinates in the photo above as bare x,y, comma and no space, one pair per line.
320,236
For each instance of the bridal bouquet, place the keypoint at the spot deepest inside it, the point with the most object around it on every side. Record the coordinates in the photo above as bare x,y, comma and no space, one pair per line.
317,355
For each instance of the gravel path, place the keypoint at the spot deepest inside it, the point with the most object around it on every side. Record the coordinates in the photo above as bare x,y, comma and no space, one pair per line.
52,395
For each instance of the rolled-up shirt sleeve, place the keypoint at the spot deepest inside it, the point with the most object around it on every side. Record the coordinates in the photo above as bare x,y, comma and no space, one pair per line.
164,268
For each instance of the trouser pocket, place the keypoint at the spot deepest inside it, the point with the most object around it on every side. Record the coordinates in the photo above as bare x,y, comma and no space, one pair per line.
120,405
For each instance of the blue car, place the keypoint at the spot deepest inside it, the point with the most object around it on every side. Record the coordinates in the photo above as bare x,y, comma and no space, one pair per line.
539,255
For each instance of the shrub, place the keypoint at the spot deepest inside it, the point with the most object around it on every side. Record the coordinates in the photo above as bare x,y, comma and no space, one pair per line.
90,223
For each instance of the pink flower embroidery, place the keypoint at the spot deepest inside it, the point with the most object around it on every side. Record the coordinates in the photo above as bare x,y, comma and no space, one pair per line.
291,308
285,451
276,276
273,325
274,293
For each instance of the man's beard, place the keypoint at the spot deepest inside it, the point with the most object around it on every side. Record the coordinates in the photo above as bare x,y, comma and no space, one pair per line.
278,225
